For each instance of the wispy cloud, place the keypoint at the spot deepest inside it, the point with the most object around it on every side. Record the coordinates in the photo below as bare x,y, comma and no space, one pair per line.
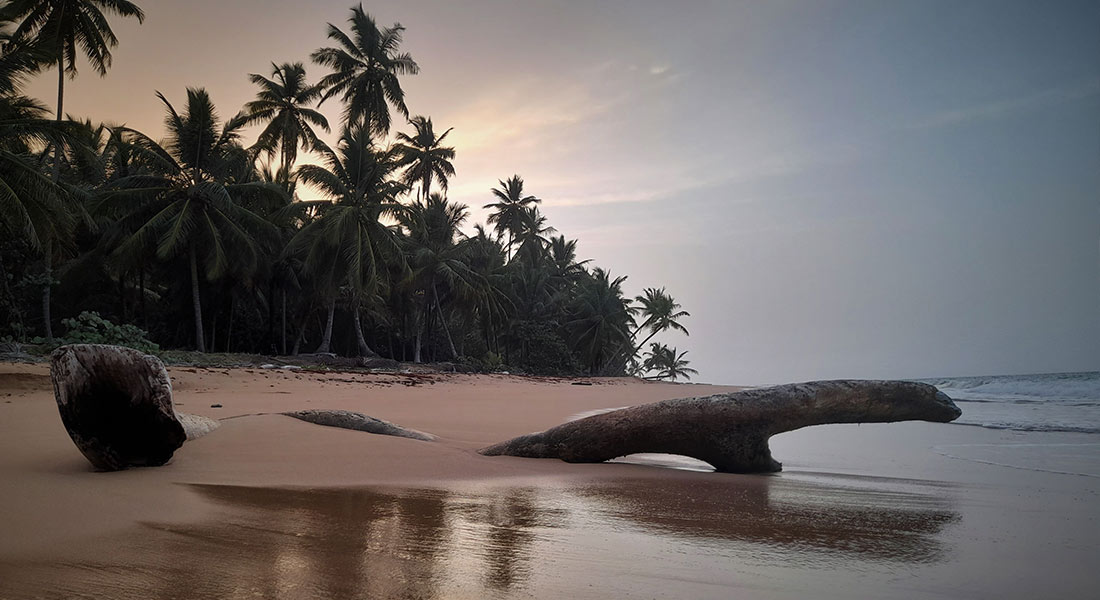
1009,106
654,184
517,113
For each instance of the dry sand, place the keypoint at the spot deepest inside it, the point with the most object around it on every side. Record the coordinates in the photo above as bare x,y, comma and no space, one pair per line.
272,507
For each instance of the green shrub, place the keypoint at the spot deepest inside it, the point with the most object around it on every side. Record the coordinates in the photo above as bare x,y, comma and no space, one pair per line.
90,328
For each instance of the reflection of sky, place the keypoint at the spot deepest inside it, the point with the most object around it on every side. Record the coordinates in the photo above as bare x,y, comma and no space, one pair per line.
832,189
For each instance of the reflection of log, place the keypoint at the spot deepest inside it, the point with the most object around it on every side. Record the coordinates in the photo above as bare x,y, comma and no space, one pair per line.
731,431
116,404
819,520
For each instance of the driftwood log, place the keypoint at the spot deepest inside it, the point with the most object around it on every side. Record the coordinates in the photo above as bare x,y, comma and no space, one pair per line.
346,419
731,431
116,404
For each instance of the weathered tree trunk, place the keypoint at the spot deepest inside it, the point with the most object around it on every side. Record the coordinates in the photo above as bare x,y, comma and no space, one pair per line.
196,302
116,404
326,338
731,431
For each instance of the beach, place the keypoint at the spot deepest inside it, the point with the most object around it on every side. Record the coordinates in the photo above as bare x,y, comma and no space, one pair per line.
267,506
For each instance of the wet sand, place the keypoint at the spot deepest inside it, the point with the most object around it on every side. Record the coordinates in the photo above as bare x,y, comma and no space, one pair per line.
271,507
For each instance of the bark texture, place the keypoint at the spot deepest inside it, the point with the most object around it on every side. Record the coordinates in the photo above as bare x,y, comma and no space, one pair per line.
116,404
196,426
731,431
346,419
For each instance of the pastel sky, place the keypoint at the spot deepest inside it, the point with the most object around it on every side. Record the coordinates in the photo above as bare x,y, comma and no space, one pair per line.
832,189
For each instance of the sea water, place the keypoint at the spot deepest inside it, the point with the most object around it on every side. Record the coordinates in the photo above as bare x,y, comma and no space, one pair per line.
1046,402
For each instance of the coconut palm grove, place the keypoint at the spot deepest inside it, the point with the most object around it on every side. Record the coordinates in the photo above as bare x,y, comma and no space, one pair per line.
197,238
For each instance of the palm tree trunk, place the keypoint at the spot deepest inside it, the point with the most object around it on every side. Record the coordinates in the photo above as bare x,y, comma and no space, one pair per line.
121,283
60,80
141,289
364,349
273,346
47,259
443,320
298,338
326,339
618,360
196,303
284,322
229,334
419,332
48,250
214,331
606,368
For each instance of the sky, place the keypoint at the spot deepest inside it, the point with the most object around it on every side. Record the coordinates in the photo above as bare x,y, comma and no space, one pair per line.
832,189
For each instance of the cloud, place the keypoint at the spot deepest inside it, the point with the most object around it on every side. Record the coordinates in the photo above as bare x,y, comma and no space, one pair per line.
1003,108
518,113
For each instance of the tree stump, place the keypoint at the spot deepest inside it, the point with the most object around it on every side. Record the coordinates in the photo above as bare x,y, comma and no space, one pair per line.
116,404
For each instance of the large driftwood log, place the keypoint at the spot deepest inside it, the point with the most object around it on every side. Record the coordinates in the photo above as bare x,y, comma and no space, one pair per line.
731,431
116,404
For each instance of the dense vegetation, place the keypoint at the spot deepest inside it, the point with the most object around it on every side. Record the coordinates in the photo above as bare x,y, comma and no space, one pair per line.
199,240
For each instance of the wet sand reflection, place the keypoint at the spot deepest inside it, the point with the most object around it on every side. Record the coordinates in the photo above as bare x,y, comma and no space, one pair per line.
493,542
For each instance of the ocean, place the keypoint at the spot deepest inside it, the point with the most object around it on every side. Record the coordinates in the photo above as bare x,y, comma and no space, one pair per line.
1045,402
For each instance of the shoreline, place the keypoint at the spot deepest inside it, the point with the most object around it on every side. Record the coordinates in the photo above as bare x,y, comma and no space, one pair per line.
878,503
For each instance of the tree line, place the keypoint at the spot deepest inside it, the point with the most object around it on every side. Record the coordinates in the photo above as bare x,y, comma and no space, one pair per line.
201,240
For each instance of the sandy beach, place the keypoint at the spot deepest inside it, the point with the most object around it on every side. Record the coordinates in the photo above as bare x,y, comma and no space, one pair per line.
272,507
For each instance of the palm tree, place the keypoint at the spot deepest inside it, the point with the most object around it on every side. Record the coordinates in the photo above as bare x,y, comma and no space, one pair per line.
18,58
531,236
425,157
601,318
485,257
187,198
68,28
30,203
437,255
64,29
348,243
282,103
661,312
510,207
365,67
562,259
668,363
